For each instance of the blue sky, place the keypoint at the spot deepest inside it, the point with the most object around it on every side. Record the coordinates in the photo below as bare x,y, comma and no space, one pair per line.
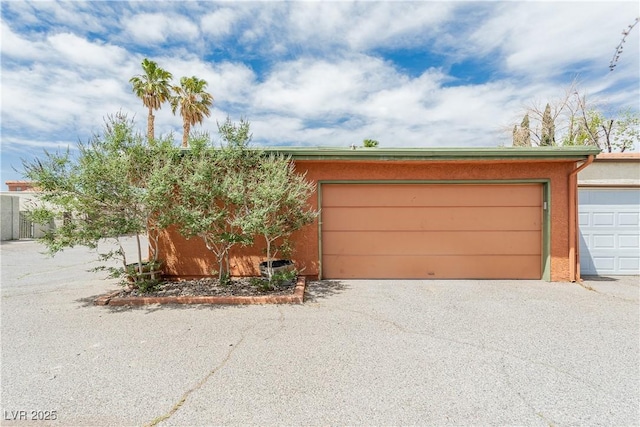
408,74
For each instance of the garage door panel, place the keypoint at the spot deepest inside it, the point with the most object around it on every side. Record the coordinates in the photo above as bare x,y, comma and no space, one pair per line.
603,219
431,243
438,218
629,265
431,231
431,267
631,219
410,195
584,219
606,263
606,241
609,197
629,241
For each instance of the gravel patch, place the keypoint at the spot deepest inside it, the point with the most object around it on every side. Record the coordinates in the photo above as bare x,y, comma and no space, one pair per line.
211,287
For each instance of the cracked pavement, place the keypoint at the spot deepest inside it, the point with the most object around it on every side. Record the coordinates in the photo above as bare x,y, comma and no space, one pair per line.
395,352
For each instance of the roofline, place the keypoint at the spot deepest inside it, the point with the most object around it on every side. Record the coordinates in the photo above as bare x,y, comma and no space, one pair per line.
467,153
615,157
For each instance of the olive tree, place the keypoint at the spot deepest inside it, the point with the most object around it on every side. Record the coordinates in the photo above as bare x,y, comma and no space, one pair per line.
210,189
277,203
100,192
231,194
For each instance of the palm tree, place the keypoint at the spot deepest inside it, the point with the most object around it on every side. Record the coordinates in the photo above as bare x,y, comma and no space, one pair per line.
193,102
154,88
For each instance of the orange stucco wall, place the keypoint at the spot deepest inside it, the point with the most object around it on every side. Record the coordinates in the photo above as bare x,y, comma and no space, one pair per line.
188,258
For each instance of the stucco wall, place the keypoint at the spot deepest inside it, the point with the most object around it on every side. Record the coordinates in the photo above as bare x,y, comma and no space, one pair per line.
612,170
25,201
190,257
10,217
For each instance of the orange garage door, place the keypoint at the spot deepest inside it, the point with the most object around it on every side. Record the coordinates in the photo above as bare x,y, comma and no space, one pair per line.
419,231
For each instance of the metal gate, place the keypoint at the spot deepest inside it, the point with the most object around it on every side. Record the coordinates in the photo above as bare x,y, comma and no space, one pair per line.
26,227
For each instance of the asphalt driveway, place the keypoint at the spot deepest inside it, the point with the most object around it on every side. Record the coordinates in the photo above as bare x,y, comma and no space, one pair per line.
356,353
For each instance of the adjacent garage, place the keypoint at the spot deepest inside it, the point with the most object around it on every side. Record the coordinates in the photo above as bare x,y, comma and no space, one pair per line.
412,231
609,231
609,215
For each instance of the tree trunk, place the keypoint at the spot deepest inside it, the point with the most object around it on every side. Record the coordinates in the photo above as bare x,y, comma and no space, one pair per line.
122,253
139,254
185,134
607,135
220,269
269,260
150,126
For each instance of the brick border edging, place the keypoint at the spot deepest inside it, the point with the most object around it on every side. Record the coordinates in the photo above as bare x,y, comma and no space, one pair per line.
296,298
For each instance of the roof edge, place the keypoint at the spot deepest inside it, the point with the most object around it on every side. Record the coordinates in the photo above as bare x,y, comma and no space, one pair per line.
616,157
466,153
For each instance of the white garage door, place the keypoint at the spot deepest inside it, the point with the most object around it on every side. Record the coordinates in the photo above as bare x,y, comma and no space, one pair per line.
609,231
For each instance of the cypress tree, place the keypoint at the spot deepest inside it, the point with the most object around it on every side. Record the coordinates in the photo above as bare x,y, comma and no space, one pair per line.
522,135
547,137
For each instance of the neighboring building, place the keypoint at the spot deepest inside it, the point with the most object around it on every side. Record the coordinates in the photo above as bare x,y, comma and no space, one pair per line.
13,205
9,217
19,186
475,213
609,206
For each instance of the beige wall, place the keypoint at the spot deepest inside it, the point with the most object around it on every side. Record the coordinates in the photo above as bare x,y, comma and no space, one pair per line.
612,170
10,217
21,201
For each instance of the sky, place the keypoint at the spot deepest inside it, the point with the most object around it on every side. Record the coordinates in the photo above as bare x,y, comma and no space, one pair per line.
306,73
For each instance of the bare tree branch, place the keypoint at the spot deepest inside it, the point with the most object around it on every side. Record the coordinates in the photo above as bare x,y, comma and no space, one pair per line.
620,47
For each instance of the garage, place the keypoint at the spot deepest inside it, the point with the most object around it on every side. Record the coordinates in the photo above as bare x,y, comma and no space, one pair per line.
428,230
609,215
421,213
609,231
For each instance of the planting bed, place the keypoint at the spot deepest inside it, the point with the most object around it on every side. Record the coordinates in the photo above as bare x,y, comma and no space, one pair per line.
209,291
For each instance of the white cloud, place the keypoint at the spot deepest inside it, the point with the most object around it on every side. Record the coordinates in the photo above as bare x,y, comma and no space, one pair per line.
365,26
319,87
545,38
57,102
15,46
159,27
312,97
386,24
78,50
86,16
218,23
319,77
21,145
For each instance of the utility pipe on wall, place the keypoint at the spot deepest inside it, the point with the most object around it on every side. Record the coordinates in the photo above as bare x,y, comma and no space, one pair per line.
574,245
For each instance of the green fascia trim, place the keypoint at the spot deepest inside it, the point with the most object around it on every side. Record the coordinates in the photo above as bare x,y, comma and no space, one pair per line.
546,231
468,153
437,181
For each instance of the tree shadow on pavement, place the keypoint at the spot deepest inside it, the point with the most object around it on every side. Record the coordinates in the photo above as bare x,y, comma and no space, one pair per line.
315,291
321,289
599,279
89,301
150,308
